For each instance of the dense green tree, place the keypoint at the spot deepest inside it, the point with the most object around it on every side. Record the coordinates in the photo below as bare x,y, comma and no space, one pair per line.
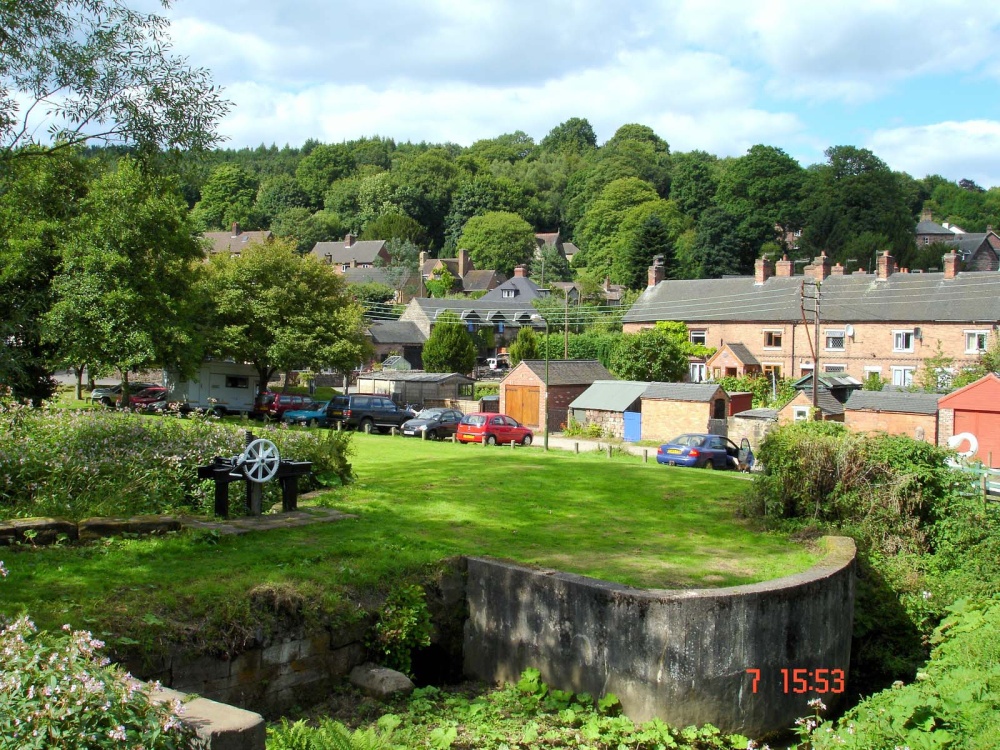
634,255
653,354
575,136
306,228
322,167
717,249
279,310
542,181
498,240
525,346
548,265
603,219
372,152
509,147
343,199
38,200
441,283
401,268
126,286
372,293
95,69
693,182
449,348
227,196
422,188
480,195
276,195
395,226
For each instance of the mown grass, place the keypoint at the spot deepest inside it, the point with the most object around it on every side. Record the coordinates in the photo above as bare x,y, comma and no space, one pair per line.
416,503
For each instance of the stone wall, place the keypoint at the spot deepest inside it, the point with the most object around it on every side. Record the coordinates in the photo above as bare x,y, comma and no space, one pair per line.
682,656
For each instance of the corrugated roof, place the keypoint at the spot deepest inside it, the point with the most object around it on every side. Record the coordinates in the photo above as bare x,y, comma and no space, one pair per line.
569,371
909,297
681,391
418,376
396,332
610,395
894,401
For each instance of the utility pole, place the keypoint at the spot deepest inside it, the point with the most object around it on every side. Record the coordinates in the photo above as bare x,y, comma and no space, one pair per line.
566,326
810,304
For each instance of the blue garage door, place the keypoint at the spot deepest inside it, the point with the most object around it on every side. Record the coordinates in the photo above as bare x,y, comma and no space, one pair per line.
633,426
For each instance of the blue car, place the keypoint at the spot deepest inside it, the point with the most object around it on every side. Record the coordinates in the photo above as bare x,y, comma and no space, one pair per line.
313,414
705,451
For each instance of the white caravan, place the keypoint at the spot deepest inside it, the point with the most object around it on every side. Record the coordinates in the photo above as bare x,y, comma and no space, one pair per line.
220,386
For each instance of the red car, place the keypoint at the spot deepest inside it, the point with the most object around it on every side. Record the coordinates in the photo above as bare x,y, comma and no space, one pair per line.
146,397
483,427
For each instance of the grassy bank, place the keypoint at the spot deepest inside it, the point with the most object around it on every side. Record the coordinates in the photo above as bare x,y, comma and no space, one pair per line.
416,503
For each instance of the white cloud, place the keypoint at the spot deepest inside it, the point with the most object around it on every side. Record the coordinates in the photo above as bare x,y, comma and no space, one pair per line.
955,150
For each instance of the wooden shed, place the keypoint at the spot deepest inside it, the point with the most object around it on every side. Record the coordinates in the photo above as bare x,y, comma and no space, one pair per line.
907,413
522,391
417,386
974,409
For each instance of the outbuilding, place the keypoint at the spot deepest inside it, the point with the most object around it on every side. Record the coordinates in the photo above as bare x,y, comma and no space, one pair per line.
975,410
523,390
417,386
896,412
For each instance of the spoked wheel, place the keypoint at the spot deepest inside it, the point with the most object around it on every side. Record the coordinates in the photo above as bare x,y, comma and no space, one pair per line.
260,461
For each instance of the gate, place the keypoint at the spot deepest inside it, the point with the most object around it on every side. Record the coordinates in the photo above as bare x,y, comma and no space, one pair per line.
633,426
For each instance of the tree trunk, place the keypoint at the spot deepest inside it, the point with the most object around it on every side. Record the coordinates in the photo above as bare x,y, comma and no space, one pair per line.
125,389
79,383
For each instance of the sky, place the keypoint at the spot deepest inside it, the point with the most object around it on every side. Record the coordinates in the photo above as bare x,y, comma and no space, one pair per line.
915,81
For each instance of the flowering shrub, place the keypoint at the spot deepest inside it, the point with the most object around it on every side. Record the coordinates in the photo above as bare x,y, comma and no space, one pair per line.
76,464
56,691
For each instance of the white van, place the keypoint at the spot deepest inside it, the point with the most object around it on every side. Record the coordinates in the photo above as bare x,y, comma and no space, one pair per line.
219,386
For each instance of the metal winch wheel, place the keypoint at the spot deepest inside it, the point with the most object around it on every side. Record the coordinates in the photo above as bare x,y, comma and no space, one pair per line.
260,461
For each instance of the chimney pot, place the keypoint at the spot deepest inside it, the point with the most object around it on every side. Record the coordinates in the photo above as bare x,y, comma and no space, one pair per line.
763,269
952,265
886,265
236,228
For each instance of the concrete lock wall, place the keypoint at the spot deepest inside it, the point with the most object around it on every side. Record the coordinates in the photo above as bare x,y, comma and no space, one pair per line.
682,656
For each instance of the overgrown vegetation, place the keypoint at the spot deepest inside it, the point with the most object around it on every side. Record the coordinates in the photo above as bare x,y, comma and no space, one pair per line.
56,462
766,393
526,714
404,623
925,537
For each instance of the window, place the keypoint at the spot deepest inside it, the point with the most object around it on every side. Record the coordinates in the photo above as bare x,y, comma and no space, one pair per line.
902,376
465,390
834,368
697,372
699,337
800,413
507,293
772,371
975,341
902,341
772,339
236,381
835,340
344,266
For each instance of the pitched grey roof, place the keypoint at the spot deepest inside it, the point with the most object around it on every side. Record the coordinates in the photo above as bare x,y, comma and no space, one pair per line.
475,281
508,312
363,251
827,403
375,275
524,289
418,376
610,395
682,391
909,297
569,371
743,354
758,414
827,380
396,332
932,227
227,242
894,401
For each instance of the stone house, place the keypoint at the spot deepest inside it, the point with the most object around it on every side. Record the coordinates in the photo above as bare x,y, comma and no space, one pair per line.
887,323
523,390
906,413
468,279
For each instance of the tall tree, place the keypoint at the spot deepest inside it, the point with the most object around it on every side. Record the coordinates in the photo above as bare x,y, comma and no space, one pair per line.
525,346
475,197
322,167
575,136
402,266
498,240
126,287
306,228
449,348
276,195
653,354
227,197
718,249
693,182
84,70
604,217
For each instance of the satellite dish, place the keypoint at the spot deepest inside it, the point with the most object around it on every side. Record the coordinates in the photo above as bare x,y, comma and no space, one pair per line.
849,330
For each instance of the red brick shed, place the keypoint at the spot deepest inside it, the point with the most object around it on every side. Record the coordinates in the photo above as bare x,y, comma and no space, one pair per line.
522,392
974,409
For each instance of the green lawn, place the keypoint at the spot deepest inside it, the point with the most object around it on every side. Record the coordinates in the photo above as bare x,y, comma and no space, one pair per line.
417,503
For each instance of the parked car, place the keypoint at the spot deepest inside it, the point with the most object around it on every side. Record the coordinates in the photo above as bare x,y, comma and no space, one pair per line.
705,451
484,427
146,396
437,422
313,414
109,394
366,412
283,402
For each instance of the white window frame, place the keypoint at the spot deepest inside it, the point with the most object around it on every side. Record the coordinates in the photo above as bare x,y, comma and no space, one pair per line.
698,333
902,375
507,293
899,340
698,372
800,413
771,332
835,333
972,335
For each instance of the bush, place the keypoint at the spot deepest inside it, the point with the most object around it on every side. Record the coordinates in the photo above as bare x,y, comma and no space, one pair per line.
77,464
56,691
486,389
403,625
586,430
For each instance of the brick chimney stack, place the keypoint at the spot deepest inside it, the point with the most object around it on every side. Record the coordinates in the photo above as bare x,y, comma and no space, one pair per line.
464,264
819,269
655,274
784,267
423,259
837,270
886,266
349,239
763,269
521,272
925,215
951,265
236,229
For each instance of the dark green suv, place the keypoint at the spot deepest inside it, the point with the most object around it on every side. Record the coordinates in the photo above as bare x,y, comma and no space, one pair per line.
366,412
